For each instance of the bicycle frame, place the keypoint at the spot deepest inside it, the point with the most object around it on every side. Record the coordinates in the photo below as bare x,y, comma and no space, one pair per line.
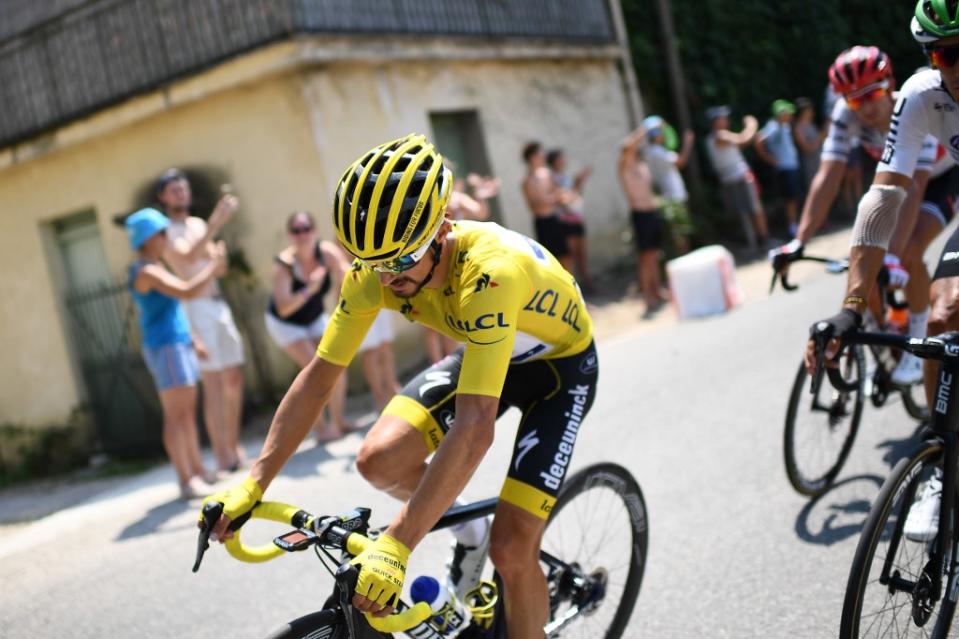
944,422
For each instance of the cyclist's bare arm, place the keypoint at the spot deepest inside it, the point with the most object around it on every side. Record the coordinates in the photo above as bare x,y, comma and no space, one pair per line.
292,422
448,472
909,214
865,260
822,193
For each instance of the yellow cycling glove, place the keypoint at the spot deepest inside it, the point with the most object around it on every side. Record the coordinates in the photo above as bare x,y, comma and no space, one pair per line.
382,570
238,500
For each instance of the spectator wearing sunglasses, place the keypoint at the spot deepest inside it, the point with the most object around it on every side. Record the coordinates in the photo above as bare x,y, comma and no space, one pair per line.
169,349
303,273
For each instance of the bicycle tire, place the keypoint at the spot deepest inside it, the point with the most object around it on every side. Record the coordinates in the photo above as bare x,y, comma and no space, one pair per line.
882,527
583,496
815,452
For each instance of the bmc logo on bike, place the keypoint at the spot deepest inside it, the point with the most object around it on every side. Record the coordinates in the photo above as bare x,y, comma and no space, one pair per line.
942,395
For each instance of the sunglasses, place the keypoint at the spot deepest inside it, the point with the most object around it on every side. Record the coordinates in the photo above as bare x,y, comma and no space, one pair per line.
870,94
300,230
943,57
406,262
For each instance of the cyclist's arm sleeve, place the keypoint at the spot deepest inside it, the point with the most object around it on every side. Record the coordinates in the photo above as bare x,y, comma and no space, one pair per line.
842,131
491,314
907,136
361,298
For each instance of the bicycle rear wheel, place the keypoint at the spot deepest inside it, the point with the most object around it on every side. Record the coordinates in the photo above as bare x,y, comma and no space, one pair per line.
599,526
888,593
820,430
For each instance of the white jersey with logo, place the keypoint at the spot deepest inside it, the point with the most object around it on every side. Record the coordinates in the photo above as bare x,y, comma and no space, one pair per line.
924,109
845,128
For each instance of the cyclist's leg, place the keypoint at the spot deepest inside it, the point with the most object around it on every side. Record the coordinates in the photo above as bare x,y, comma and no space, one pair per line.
411,427
944,291
555,396
514,551
928,226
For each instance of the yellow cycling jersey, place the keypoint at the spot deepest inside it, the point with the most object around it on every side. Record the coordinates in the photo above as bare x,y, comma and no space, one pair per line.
505,296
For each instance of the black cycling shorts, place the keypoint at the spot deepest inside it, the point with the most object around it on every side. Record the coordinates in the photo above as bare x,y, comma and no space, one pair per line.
551,233
554,396
941,196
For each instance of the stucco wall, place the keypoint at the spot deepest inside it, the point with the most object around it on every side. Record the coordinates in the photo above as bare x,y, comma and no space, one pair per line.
282,142
577,105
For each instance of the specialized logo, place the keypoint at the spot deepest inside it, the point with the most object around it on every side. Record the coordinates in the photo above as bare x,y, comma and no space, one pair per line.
525,445
484,282
435,379
950,256
553,476
481,323
447,417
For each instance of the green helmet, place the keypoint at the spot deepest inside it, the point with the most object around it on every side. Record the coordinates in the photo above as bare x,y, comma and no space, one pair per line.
935,20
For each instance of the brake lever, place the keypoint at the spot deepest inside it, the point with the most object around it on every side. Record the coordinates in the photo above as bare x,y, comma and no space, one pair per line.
211,513
346,577
784,278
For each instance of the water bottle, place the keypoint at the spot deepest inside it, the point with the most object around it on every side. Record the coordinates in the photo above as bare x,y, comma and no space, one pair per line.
450,616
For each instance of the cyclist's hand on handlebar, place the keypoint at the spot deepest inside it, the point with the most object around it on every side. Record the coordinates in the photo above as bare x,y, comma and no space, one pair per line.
898,276
781,257
237,501
830,332
382,572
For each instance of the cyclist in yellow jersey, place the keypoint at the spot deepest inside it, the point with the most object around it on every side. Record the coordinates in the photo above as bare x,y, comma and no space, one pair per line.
527,343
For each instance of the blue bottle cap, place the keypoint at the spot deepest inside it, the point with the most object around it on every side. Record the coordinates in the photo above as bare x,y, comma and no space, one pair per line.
425,588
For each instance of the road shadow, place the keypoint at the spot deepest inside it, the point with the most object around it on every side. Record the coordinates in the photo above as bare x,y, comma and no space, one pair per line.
896,449
155,518
840,512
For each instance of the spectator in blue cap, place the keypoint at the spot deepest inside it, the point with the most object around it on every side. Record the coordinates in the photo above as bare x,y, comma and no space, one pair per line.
168,348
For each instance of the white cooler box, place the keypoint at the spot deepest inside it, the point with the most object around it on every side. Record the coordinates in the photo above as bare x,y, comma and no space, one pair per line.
704,282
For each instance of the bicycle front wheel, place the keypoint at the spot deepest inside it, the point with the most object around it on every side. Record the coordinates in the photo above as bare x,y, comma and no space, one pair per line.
598,526
891,592
820,430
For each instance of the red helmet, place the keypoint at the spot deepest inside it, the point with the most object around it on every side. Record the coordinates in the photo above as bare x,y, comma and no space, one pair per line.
858,67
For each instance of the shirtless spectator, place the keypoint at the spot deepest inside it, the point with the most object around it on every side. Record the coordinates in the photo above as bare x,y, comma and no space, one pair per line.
187,253
647,218
572,211
740,194
544,199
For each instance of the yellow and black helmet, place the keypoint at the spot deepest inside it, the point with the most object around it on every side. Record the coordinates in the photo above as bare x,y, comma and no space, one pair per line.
391,201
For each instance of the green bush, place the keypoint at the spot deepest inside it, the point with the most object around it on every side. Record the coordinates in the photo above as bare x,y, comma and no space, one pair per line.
32,452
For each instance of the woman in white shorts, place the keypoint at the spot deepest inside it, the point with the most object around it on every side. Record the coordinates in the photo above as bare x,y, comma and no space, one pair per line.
303,273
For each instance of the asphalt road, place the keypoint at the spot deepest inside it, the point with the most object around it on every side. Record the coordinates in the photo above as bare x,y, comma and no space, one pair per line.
694,410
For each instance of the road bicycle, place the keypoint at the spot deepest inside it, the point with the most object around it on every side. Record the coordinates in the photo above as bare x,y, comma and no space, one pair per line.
821,426
593,555
903,585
